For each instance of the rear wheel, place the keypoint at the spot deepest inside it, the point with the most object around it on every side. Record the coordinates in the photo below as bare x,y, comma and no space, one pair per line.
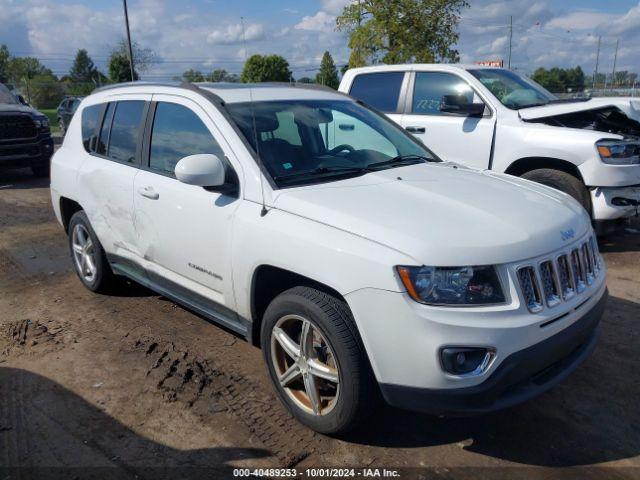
89,260
316,360
562,181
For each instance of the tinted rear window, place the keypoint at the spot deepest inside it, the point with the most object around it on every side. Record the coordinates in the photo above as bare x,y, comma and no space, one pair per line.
380,90
90,119
125,130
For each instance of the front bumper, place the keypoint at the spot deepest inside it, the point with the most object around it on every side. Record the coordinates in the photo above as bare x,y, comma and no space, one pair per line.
521,376
23,154
612,203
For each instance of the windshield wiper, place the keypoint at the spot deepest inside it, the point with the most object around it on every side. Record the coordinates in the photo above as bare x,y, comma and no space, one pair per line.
322,171
400,161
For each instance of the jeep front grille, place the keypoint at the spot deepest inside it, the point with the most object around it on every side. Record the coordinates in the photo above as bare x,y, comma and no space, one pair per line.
554,281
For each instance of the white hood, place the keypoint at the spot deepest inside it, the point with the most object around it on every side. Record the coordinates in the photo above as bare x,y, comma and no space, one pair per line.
629,105
444,216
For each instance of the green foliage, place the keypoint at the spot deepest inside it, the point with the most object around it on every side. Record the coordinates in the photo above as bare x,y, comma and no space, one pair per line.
192,75
560,79
268,68
119,68
400,31
83,76
328,74
221,75
5,57
46,91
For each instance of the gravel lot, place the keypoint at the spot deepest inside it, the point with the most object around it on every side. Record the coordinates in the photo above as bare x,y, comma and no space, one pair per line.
135,386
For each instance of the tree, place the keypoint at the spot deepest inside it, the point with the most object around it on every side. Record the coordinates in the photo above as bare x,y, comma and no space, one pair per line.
306,80
221,75
192,75
119,68
5,58
560,79
328,74
83,76
400,31
268,68
46,91
22,70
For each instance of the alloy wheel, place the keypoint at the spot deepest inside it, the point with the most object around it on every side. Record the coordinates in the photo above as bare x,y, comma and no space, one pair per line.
305,365
84,253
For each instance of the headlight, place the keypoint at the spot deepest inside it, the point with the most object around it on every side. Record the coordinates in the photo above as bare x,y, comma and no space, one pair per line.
619,152
42,122
452,285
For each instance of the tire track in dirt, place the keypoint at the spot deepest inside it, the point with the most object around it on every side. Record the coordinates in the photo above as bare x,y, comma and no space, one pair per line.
207,387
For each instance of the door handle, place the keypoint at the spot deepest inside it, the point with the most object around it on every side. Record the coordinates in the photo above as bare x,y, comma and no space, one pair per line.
149,192
416,129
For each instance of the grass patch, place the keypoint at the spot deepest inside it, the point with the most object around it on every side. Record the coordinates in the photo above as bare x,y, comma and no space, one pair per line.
52,114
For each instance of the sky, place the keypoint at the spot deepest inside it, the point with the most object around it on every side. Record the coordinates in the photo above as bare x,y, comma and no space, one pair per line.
207,34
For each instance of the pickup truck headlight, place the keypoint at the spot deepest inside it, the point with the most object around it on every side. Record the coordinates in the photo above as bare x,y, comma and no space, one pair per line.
452,285
42,123
619,152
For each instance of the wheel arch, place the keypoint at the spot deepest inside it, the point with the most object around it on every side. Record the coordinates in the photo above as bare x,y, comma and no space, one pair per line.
526,164
68,208
269,281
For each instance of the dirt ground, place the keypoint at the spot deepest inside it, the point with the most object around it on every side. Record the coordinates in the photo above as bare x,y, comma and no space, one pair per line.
133,386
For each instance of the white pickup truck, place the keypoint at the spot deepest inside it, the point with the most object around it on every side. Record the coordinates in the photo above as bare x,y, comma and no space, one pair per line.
493,118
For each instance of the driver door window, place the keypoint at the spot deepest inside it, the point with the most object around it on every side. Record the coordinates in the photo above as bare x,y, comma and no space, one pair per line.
430,87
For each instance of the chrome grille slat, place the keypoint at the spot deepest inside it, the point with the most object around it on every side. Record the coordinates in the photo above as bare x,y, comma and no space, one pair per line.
558,280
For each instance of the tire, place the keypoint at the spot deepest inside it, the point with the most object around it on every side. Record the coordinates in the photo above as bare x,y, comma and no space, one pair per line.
562,181
336,350
100,278
41,171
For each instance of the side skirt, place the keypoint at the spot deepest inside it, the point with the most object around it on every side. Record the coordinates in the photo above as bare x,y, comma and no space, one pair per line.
197,303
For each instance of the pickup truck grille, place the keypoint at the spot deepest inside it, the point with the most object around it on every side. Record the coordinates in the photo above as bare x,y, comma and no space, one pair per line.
17,127
557,280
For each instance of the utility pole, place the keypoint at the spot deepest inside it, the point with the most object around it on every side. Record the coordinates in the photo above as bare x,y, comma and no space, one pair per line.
615,59
126,21
510,40
595,73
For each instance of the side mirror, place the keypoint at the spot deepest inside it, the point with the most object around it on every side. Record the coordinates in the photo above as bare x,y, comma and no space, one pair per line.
459,104
203,170
22,100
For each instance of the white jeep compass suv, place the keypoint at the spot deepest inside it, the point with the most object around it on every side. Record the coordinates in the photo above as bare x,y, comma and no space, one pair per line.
323,232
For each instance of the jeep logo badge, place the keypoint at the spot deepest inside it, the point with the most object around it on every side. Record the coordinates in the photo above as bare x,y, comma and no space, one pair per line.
567,234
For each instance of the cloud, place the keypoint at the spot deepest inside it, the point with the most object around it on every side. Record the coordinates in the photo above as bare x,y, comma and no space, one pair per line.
233,34
320,21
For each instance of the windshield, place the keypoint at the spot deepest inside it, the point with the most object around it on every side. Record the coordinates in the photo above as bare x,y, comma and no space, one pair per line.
6,96
310,141
514,91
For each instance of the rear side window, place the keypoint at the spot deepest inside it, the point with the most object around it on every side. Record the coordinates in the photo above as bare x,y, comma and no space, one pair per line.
177,133
125,130
90,119
380,90
103,140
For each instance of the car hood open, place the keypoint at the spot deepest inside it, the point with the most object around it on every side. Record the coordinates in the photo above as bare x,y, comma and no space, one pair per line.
620,116
444,215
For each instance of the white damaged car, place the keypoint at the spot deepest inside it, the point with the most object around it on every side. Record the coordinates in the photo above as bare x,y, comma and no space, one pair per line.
321,231
493,118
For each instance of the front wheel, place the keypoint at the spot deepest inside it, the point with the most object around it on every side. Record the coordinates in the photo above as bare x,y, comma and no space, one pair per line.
562,181
316,360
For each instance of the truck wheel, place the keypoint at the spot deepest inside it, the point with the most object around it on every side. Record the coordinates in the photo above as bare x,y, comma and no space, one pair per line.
89,259
562,181
316,360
